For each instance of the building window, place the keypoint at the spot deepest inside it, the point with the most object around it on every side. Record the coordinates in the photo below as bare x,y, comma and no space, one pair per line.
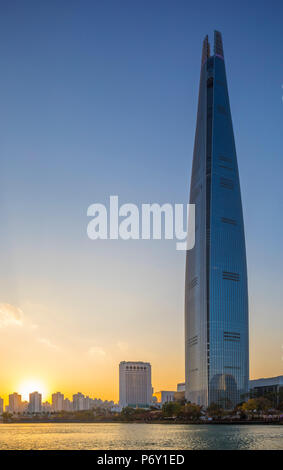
226,183
230,276
226,220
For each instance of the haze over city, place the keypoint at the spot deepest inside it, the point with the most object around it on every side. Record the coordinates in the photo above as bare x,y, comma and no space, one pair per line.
91,114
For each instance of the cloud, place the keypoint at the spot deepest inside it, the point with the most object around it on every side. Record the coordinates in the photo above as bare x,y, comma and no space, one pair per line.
47,343
122,346
10,316
96,351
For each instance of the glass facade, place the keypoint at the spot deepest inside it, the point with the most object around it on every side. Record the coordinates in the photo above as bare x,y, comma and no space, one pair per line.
216,293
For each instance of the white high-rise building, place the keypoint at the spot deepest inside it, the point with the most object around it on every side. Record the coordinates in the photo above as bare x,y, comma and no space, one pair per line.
67,405
1,405
57,401
78,401
35,402
15,401
135,384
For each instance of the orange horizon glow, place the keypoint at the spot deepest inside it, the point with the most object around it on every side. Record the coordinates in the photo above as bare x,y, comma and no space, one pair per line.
83,359
30,386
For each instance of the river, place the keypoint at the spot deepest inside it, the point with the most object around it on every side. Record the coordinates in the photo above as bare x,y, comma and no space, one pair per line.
139,436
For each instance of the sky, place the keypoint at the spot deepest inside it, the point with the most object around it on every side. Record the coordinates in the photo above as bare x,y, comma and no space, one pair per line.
99,98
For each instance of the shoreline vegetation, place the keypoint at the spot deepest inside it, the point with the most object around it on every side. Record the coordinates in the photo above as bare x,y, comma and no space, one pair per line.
165,422
254,411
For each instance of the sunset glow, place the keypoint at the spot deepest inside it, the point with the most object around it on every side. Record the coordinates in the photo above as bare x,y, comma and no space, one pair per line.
81,124
29,386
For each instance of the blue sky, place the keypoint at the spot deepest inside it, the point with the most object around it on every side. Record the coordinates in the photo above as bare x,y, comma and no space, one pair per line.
99,98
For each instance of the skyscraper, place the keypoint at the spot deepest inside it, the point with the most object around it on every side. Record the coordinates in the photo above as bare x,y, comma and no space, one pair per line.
135,387
216,293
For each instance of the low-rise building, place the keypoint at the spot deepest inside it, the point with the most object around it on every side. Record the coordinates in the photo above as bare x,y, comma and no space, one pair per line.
270,387
164,396
24,406
180,393
181,387
46,407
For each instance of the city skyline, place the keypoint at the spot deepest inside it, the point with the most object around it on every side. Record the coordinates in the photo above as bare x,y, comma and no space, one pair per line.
112,110
59,402
131,392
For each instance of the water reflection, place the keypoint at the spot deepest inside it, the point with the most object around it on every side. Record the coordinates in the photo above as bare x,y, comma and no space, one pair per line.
139,436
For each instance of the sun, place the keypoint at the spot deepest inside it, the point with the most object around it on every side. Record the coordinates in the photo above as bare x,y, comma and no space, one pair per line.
31,385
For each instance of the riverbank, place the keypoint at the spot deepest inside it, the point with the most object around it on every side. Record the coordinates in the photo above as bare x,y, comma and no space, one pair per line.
166,422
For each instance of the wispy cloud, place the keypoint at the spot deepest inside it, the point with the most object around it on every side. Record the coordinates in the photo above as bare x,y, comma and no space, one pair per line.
123,346
10,316
48,343
96,351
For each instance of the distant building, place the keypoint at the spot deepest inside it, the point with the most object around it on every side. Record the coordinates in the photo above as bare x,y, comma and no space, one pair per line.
15,402
179,395
1,406
108,404
82,402
88,403
164,396
79,402
24,406
135,387
35,402
46,407
67,405
271,387
116,408
57,401
181,387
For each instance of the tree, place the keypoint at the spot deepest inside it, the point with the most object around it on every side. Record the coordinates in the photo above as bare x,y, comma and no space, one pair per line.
171,409
191,411
258,405
249,406
215,411
7,416
127,413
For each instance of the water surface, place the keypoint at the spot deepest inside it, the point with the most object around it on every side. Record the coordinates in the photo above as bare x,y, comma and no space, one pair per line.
139,436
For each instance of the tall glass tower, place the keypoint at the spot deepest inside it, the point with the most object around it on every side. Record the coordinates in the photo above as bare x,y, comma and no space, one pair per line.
216,292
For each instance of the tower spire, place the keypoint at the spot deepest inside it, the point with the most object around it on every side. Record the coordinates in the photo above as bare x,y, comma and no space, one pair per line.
218,45
205,50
